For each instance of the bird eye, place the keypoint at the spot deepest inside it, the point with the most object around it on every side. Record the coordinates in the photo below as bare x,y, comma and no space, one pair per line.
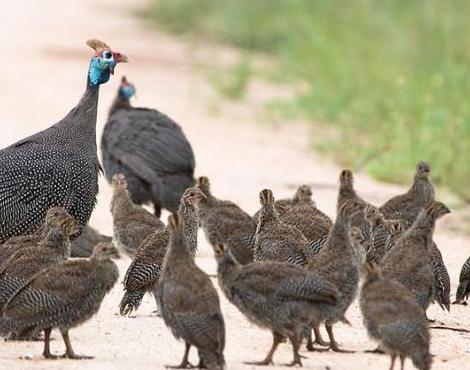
107,54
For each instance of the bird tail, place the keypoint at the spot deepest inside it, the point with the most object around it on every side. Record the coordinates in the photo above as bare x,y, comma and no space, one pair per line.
212,360
130,302
462,291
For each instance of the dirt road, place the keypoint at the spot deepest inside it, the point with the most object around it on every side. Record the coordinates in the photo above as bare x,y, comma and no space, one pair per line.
43,65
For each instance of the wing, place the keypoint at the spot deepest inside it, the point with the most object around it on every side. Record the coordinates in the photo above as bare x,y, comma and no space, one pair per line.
149,143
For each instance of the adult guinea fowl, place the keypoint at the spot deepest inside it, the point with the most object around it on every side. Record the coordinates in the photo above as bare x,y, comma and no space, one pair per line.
58,166
150,149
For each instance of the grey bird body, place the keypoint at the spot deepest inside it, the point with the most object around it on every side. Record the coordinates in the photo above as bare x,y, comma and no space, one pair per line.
189,302
280,297
338,262
23,264
463,290
132,223
407,206
83,245
62,296
394,319
54,217
409,261
151,150
145,268
223,222
276,240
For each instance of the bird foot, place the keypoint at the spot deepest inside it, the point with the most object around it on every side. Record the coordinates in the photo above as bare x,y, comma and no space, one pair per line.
464,303
183,365
264,362
295,363
311,348
73,356
50,356
340,350
377,351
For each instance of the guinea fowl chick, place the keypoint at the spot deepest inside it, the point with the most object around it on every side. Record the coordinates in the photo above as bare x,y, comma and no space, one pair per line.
150,149
441,281
189,302
394,319
409,261
54,217
23,264
463,290
145,268
132,223
407,206
338,263
223,222
275,240
346,191
63,297
83,245
280,297
302,194
304,215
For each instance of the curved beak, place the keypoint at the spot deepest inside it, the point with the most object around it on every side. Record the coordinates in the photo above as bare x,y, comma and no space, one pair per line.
121,58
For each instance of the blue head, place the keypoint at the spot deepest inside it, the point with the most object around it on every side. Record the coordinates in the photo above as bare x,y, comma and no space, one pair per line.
127,89
103,62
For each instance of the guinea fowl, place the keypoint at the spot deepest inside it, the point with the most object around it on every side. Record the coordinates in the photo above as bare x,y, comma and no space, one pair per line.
223,222
275,240
58,166
281,297
394,319
62,296
441,282
83,245
409,260
146,266
304,215
302,195
463,290
54,217
150,149
338,262
189,302
23,264
407,206
346,191
132,223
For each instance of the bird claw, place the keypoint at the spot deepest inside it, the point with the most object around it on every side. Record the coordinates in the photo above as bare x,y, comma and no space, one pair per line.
50,356
294,363
183,365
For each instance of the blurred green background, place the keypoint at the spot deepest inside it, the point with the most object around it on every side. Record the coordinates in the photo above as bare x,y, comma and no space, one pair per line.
392,77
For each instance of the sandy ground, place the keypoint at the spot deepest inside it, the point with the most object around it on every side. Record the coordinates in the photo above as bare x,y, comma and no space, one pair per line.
43,64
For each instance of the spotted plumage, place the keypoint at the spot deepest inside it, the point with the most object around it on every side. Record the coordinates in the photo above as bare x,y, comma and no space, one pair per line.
463,290
394,319
189,302
145,269
58,166
150,149
223,222
62,296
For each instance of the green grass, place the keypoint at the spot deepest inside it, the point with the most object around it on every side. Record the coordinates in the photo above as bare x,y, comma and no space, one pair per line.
391,76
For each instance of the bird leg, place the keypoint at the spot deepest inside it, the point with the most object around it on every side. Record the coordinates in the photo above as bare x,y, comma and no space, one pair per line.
392,363
318,340
185,364
333,344
47,350
295,347
402,362
69,353
277,338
